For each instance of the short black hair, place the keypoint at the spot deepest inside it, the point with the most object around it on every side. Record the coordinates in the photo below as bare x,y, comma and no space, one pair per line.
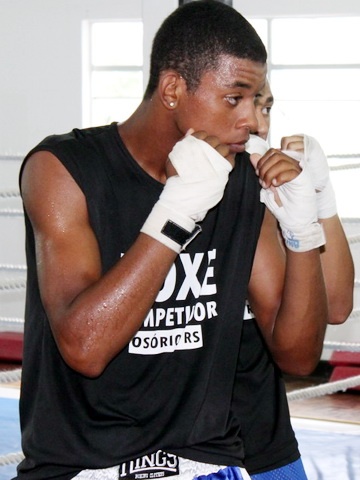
192,38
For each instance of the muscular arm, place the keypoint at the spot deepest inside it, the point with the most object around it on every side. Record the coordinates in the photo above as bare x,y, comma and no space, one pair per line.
287,295
338,269
336,259
92,316
293,319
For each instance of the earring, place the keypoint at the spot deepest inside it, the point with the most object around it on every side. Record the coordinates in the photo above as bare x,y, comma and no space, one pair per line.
171,104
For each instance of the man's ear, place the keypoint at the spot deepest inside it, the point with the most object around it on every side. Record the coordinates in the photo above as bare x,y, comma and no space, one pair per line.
171,86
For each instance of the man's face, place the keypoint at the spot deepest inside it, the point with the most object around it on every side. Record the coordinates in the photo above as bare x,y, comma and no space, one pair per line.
223,103
263,104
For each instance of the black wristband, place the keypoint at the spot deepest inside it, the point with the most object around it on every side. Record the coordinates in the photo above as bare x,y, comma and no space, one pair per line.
178,234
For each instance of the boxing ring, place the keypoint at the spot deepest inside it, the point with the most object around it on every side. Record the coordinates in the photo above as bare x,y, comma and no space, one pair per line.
330,449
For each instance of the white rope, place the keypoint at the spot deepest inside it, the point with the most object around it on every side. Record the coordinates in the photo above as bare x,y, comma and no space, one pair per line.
347,166
11,458
344,155
10,376
11,320
11,324
325,389
342,346
355,313
11,212
350,219
9,266
13,284
9,193
17,158
353,239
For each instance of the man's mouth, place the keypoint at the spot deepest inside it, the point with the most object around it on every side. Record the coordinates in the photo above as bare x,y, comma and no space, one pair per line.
237,147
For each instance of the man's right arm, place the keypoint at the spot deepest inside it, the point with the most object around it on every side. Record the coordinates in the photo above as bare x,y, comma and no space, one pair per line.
92,316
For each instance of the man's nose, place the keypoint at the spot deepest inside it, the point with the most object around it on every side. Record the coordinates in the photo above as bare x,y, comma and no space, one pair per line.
249,118
262,130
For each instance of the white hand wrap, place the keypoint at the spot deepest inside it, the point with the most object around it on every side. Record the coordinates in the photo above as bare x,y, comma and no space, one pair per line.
319,168
202,175
298,214
256,144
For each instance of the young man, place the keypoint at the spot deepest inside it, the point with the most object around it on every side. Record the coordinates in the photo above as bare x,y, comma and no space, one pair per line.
132,314
271,449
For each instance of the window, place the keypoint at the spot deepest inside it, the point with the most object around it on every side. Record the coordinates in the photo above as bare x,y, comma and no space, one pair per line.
314,72
113,77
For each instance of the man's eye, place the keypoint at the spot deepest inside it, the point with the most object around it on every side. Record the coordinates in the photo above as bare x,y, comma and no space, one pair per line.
266,110
233,100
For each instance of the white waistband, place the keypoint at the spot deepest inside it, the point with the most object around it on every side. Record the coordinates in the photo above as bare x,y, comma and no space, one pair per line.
188,469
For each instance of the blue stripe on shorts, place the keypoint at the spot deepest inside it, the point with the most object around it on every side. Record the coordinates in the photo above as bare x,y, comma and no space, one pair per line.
292,471
228,473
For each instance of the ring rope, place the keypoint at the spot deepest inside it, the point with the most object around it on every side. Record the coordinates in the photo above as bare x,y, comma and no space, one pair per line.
17,158
350,219
10,376
11,458
11,212
8,266
353,239
344,155
347,166
9,193
11,320
342,346
13,284
325,389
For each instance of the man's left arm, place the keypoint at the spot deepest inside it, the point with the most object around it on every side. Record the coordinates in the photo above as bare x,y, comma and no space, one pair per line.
288,296
336,258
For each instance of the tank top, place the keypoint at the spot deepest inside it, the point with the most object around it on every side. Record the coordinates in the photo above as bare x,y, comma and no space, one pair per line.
261,405
171,387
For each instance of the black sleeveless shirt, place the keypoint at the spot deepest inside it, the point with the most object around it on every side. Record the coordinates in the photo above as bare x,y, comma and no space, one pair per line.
171,387
260,402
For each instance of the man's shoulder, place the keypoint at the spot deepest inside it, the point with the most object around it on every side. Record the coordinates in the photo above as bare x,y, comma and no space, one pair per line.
77,136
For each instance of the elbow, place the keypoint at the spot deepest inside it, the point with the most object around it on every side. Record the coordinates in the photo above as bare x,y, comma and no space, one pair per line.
299,363
340,313
85,367
82,360
300,358
340,301
299,369
80,349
